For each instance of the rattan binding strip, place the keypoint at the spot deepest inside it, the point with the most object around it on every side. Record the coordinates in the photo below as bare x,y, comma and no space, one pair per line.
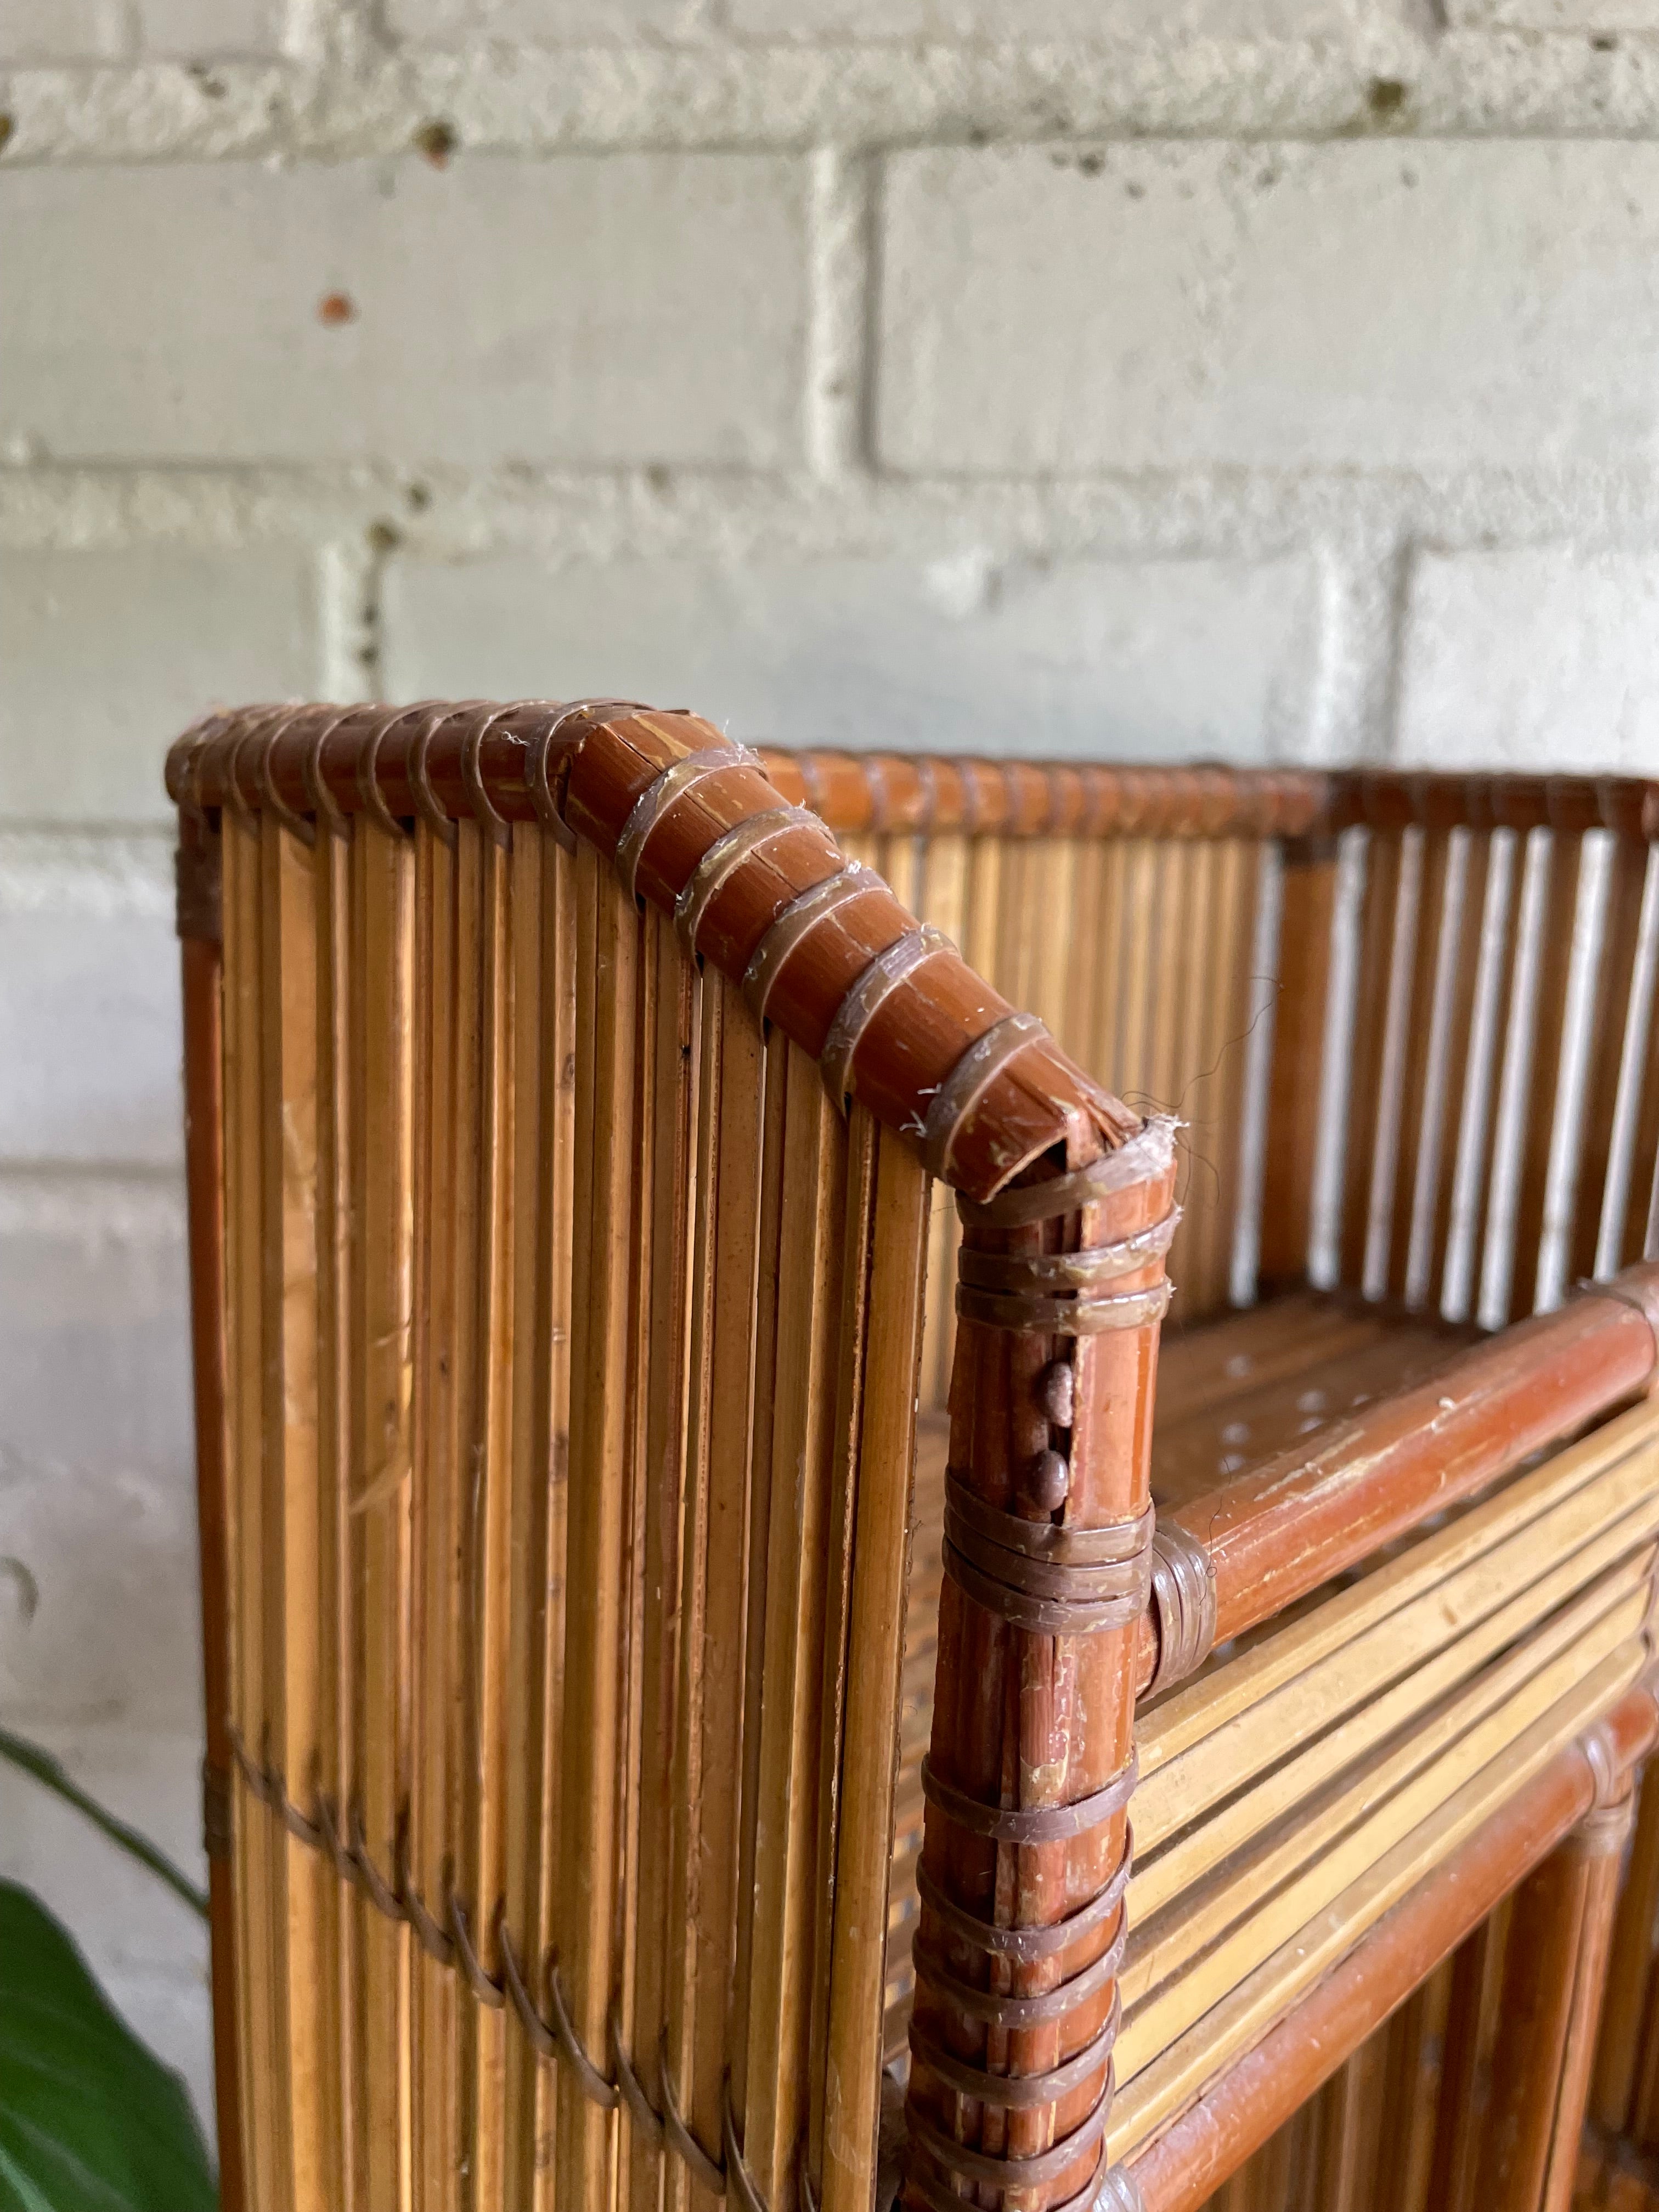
661,794
1142,1158
858,1009
967,1080
796,920
1026,1946
1082,1315
1183,1605
726,855
1028,1823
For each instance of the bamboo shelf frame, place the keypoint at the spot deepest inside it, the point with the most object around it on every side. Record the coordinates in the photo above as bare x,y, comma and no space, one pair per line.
559,1334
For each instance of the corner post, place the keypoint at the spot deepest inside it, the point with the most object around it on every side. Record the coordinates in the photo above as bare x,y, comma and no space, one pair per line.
1025,1856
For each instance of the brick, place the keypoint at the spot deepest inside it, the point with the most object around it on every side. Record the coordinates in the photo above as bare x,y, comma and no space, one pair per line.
88,1005
1038,18
1535,658
543,22
93,1290
114,30
1570,15
1150,659
637,308
105,656
1352,304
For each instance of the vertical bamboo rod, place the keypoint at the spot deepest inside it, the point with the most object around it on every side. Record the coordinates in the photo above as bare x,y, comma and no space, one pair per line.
336,1429
1599,1841
1629,1968
880,1573
1309,895
202,962
525,1473
1546,1932
770,2074
436,1994
256,1836
707,1764
289,1061
607,935
838,1553
486,1468
551,1376
382,1183
675,1056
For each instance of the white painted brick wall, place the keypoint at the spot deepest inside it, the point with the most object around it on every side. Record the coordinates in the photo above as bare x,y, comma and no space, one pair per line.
1163,659
645,309
544,23
1506,650
108,652
1258,378
1040,19
1364,306
116,30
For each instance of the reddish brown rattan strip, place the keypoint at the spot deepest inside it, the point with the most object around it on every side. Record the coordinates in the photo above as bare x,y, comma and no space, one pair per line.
694,827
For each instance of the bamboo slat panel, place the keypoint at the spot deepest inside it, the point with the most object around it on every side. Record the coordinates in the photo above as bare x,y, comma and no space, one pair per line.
1490,1125
572,1336
1144,957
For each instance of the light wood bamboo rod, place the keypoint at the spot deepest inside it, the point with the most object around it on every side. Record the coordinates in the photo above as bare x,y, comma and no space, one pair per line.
675,1051
484,954
1421,1828
539,1169
1168,1946
381,1189
1415,2040
336,1431
256,1845
944,895
557,1026
880,1570
607,942
1546,1928
777,1166
708,1755
1612,1606
771,2088
1545,1093
1620,999
291,1503
840,1522
436,1594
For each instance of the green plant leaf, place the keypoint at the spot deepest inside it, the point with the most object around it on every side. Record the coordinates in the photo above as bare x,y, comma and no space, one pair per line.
51,1774
89,2121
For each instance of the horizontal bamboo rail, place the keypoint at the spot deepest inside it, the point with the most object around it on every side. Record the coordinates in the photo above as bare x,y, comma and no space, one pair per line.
897,794
1282,1529
894,793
